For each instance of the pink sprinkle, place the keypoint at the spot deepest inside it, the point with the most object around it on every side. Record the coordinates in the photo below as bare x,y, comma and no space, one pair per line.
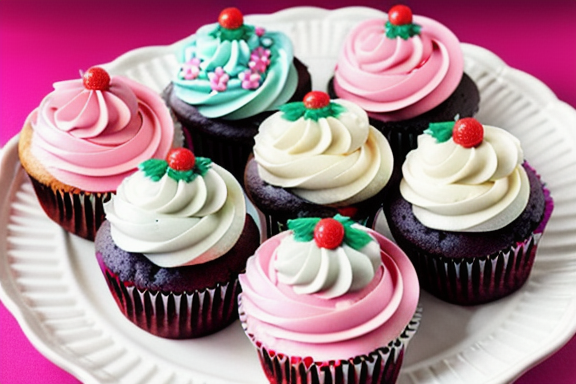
259,31
250,80
218,79
191,69
259,60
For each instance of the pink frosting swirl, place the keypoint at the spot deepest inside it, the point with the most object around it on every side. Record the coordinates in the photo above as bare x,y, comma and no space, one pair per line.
93,139
398,79
327,329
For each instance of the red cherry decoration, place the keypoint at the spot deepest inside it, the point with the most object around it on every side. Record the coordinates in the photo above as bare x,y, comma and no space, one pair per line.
316,100
181,159
328,233
468,132
96,79
400,15
231,18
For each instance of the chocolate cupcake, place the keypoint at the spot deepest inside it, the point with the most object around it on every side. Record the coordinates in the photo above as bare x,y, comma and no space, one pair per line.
329,301
406,72
232,76
84,138
175,238
469,212
317,158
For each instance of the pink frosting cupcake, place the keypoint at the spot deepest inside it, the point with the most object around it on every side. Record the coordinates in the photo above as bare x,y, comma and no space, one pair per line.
329,299
85,138
406,71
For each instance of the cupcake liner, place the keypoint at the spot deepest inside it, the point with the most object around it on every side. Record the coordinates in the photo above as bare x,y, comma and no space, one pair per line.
379,366
78,213
175,315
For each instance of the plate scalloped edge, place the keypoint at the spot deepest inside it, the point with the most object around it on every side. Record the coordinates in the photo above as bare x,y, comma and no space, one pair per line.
552,273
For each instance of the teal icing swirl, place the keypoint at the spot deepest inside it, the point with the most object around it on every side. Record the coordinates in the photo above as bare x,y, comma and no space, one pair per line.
276,86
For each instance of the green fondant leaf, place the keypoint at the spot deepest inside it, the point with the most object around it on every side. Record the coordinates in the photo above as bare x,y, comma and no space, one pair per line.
154,168
202,165
441,131
242,33
295,110
303,228
405,31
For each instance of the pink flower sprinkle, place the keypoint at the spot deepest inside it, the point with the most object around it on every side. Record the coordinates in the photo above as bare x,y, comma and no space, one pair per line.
259,31
191,69
259,60
250,80
218,79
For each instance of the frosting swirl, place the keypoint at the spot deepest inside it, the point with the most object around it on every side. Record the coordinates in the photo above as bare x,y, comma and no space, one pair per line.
174,222
398,78
236,77
92,139
332,160
453,188
328,273
328,328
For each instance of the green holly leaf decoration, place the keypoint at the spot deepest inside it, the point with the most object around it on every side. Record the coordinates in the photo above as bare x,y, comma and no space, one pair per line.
242,33
303,229
404,31
155,169
295,110
441,131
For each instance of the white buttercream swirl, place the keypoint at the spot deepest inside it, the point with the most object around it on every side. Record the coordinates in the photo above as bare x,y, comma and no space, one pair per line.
335,160
327,273
476,189
176,223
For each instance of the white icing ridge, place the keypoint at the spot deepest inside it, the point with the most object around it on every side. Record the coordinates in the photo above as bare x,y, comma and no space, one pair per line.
476,189
175,223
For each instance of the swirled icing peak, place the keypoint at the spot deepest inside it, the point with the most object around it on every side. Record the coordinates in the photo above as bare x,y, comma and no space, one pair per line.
232,70
90,133
326,155
184,216
326,257
465,177
285,314
398,71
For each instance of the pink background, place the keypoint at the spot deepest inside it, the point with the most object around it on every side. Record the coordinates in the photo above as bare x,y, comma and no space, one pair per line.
47,41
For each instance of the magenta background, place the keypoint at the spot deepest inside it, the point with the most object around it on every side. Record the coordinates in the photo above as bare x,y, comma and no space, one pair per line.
46,41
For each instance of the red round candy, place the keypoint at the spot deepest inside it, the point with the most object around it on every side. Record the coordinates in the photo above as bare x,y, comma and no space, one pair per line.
316,100
181,159
400,15
231,18
468,132
328,233
96,79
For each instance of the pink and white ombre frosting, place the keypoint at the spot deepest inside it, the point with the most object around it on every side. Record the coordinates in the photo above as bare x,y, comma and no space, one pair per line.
302,299
92,139
396,78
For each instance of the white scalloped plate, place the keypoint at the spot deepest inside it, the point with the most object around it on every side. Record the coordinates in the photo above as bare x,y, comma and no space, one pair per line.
51,283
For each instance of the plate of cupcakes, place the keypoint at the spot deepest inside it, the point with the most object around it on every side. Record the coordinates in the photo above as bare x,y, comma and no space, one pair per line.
312,195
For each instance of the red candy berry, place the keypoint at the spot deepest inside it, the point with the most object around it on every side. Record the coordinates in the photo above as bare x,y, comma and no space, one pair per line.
316,100
400,15
328,233
181,159
468,132
96,79
231,18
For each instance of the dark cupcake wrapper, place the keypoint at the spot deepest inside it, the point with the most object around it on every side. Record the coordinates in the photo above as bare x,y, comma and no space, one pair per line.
78,213
172,315
479,280
380,366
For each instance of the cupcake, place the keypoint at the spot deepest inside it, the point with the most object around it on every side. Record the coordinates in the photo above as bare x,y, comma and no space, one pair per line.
406,71
329,301
84,138
317,158
231,77
469,212
175,238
